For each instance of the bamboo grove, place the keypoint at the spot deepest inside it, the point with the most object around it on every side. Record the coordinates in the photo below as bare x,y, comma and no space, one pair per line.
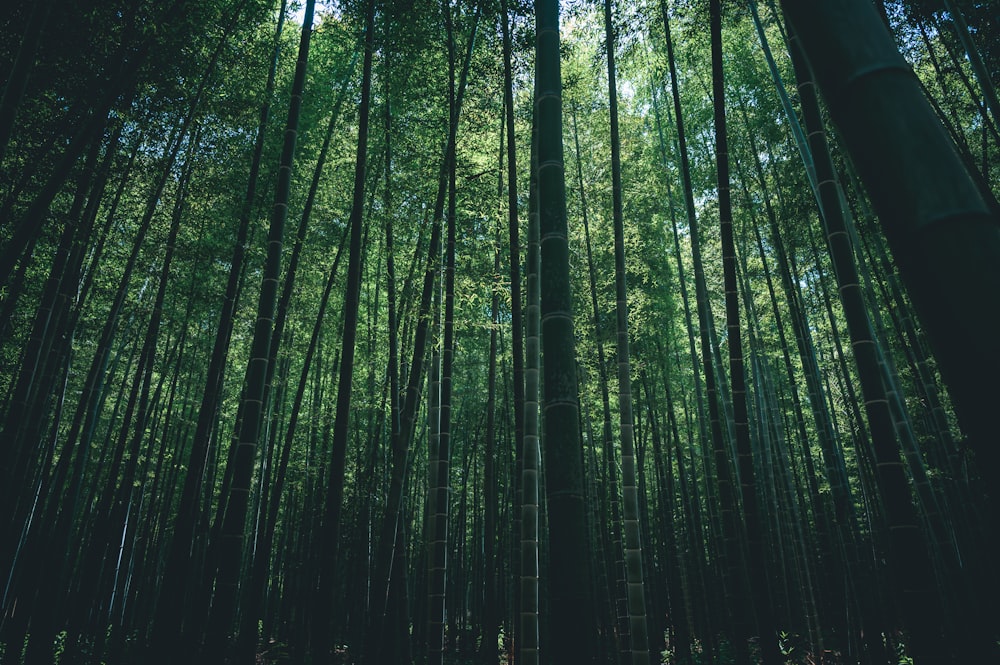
391,331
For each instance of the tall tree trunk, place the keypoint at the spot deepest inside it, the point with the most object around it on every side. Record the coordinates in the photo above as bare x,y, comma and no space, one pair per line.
233,529
943,230
757,582
572,614
491,500
391,540
323,635
516,296
528,637
439,458
638,640
719,489
169,621
914,584
609,507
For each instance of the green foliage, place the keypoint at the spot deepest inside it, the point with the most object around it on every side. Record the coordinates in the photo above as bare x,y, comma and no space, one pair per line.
84,48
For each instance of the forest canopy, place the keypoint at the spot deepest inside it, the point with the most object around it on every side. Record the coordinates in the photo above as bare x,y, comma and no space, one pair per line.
419,331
